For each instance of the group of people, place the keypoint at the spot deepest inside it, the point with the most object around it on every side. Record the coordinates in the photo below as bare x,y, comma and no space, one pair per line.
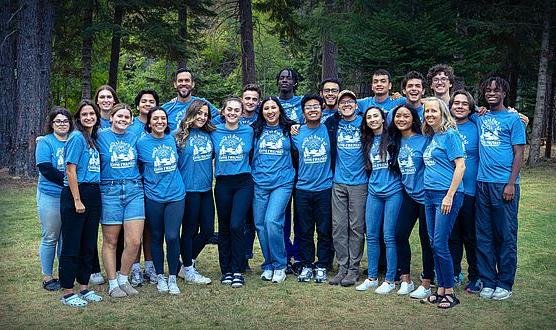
350,169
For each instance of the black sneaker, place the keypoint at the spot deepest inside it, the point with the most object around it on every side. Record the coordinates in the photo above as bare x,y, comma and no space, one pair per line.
238,281
297,267
227,279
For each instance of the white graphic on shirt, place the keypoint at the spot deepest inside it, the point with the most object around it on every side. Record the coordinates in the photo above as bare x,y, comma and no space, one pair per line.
290,111
121,155
165,159
60,158
349,137
490,129
376,159
427,155
325,116
405,158
94,161
231,149
464,143
272,143
314,150
202,147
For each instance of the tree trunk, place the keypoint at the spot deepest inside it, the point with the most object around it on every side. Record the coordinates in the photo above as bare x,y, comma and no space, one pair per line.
247,49
8,94
534,152
329,49
116,46
86,51
182,34
550,123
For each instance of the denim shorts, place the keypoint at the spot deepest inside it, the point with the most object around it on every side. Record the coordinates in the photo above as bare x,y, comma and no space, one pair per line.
122,200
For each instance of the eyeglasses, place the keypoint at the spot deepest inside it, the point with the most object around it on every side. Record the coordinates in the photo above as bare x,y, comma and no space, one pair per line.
312,107
443,79
330,90
347,102
61,122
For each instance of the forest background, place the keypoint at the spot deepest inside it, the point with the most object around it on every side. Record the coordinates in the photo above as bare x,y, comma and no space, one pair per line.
58,52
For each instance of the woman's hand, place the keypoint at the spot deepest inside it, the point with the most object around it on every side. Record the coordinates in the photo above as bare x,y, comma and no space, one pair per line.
79,206
294,130
447,204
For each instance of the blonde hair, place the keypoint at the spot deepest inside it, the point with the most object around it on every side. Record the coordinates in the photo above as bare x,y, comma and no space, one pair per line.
187,121
447,121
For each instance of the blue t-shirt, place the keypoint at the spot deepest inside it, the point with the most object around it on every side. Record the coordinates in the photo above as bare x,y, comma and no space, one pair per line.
350,159
470,137
326,113
161,179
386,105
86,159
314,171
272,159
195,161
50,150
118,156
382,181
439,158
137,128
410,159
242,121
420,111
231,149
499,131
104,123
176,110
293,110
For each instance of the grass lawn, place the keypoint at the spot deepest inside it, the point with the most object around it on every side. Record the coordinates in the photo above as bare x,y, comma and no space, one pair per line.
24,304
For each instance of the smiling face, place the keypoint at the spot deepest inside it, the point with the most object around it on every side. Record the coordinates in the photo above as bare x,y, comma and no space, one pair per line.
433,115
494,94
105,100
146,102
87,117
460,107
347,107
158,122
329,92
201,117
61,125
271,113
403,119
374,120
121,120
184,84
312,111
381,85
441,84
414,90
232,112
250,100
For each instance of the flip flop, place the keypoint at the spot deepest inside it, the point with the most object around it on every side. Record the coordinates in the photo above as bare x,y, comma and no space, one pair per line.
73,300
90,296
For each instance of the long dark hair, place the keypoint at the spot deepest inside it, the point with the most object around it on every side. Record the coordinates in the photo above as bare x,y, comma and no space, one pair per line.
395,135
284,122
50,119
148,127
368,138
90,138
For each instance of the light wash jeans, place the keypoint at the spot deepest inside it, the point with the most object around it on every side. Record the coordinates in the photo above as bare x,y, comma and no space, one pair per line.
269,206
51,223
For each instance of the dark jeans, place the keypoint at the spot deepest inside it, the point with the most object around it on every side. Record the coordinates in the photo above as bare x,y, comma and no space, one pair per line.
409,212
249,234
496,235
314,210
197,224
164,221
80,231
463,234
292,249
233,195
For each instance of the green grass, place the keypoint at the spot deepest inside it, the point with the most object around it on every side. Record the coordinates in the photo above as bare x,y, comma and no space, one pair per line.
24,304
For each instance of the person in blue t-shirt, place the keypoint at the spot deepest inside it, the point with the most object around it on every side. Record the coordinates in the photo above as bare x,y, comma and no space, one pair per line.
176,108
312,194
195,152
406,147
164,196
384,199
232,144
444,169
413,87
349,188
329,90
105,98
381,84
123,205
441,79
463,234
144,101
273,175
49,156
501,144
80,206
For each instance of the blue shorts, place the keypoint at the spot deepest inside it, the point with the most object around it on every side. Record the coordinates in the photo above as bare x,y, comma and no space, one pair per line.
122,200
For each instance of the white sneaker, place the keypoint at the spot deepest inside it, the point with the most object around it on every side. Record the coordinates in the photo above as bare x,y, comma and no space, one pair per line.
195,277
96,279
279,276
266,275
406,288
421,293
150,275
486,293
173,285
385,288
136,278
161,283
366,285
182,272
501,294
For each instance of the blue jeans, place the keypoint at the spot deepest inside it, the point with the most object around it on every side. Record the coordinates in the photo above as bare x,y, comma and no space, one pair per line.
269,206
122,200
51,223
382,213
496,225
439,226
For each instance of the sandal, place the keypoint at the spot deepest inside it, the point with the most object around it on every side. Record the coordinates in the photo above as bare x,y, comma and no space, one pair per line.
434,299
90,296
450,299
51,285
73,300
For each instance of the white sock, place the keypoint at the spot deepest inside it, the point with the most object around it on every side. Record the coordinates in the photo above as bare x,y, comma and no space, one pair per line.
122,279
237,274
149,264
136,267
113,284
171,278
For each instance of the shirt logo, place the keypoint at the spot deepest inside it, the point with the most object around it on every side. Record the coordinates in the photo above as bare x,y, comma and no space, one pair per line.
376,160
290,111
465,142
164,159
121,155
314,150
405,159
349,137
490,130
272,143
231,149
60,158
202,147
94,161
427,155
